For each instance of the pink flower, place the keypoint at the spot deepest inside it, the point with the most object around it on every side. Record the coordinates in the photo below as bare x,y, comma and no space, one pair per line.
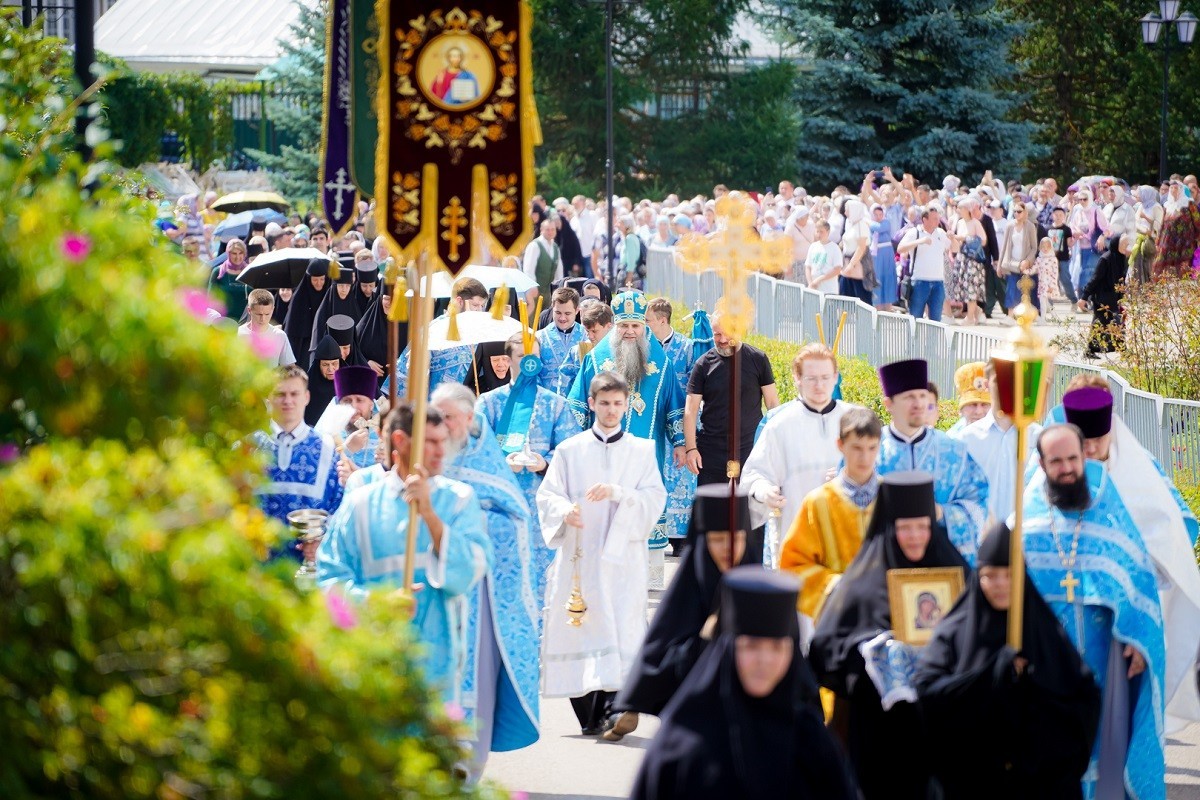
197,303
9,452
340,611
518,795
263,345
455,712
75,246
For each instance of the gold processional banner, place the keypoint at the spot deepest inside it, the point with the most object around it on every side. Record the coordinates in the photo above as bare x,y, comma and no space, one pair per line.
457,128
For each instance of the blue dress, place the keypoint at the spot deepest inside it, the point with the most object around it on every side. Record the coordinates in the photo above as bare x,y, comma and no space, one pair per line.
888,290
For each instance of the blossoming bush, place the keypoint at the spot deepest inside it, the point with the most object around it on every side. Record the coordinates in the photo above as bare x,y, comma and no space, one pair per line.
145,652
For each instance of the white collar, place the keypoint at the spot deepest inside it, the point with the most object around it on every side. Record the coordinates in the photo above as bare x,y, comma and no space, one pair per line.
299,432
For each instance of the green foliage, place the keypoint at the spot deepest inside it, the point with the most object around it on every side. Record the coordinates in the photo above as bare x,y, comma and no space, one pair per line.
661,47
147,653
561,175
1095,90
140,107
297,114
913,84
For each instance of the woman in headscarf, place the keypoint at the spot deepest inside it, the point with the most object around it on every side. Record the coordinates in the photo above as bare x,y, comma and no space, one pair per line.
1087,223
887,748
673,642
858,277
745,722
223,280
1006,724
1149,221
1180,237
1104,292
306,299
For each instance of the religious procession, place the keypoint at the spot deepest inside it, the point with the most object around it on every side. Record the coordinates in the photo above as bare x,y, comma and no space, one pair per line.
385,489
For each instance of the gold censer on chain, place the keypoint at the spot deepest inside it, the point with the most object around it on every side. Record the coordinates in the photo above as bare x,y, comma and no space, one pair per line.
575,605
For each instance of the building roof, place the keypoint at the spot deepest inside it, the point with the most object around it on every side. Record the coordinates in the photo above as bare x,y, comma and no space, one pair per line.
234,38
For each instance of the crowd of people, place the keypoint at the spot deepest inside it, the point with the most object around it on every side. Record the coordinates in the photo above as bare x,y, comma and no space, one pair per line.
561,466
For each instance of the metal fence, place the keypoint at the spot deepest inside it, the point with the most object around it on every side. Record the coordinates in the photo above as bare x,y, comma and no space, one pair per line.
1168,428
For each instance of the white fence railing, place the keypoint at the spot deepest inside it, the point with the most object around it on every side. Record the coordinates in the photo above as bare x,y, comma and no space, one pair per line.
1168,428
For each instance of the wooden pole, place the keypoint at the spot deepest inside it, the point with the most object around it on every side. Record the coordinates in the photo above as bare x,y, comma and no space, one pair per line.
837,338
418,395
733,468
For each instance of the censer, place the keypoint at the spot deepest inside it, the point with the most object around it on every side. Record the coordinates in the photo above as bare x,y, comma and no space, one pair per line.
575,605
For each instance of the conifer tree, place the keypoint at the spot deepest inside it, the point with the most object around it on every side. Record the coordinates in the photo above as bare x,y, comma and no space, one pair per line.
917,85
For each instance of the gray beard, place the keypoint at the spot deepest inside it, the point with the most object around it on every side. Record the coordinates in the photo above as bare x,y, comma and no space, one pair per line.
453,448
631,358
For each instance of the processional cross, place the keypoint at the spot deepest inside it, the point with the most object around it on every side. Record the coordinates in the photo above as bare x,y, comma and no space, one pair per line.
736,251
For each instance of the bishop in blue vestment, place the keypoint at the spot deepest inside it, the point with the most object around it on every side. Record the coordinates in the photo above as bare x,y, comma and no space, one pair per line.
1087,558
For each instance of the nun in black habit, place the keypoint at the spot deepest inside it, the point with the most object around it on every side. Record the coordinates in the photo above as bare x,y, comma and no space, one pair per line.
366,287
334,303
320,381
674,642
306,299
372,332
888,749
1006,724
746,722
484,375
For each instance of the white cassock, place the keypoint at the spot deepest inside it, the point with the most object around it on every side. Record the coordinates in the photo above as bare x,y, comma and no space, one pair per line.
613,570
794,452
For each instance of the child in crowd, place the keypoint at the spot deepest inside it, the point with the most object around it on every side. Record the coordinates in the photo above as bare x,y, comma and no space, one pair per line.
1046,269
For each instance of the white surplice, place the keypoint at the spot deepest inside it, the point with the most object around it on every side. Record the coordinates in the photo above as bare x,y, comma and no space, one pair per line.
613,571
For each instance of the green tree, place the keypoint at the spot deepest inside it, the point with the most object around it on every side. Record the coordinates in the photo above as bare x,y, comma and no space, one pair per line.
914,84
1095,90
147,653
296,111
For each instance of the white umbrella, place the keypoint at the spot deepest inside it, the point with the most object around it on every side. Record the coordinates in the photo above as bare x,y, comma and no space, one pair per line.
474,327
490,277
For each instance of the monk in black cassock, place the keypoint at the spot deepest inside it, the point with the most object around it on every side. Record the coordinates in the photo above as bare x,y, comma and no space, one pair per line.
1006,724
890,753
306,299
327,359
674,642
746,722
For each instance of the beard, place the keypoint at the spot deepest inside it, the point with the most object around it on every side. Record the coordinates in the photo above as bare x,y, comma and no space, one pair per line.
453,448
632,356
1075,496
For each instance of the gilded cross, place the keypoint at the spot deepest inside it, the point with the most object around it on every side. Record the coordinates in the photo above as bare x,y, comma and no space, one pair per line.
339,187
736,250
454,218
1069,583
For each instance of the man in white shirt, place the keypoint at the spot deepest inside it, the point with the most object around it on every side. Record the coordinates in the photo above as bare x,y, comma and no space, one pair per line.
928,244
823,262
584,224
543,261
268,340
992,442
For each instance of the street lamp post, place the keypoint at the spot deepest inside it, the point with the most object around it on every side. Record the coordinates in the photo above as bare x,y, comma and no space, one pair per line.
609,8
1153,26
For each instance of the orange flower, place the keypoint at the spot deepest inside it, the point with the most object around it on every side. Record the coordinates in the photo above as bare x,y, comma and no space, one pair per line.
456,131
411,181
509,70
495,133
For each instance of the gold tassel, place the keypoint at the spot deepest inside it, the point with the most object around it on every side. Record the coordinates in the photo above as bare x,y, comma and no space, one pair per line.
526,338
335,269
399,310
452,329
500,303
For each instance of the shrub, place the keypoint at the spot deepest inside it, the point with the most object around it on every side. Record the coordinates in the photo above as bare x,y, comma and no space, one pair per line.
146,652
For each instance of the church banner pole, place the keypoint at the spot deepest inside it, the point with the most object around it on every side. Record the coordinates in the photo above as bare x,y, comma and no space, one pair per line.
733,467
418,395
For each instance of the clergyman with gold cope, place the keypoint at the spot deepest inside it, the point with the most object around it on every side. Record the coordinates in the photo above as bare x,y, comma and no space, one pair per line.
656,400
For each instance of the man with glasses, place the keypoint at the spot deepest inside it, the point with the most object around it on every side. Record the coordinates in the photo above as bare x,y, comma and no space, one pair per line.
798,446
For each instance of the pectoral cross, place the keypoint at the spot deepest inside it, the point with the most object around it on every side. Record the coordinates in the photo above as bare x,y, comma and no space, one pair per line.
1069,583
339,187
454,217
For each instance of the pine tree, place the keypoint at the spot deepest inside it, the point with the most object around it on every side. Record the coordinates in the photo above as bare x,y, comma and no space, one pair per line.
917,85
296,112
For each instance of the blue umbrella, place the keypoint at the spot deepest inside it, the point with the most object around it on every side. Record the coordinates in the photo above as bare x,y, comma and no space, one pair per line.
237,226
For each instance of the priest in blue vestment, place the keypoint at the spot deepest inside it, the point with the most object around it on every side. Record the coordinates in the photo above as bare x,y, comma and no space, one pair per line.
525,415
960,484
449,364
556,339
302,464
679,480
1087,558
364,547
656,402
596,317
500,678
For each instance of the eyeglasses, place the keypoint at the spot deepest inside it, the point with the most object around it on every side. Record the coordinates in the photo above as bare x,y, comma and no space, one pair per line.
814,379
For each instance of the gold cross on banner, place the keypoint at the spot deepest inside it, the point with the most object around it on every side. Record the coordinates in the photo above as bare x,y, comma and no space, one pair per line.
736,250
454,218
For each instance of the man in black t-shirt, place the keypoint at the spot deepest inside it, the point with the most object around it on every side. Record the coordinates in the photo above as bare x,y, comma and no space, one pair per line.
1061,237
708,400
